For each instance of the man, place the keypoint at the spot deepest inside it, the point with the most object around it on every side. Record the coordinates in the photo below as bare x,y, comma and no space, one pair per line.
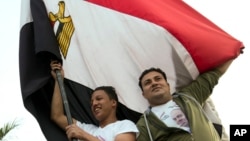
156,123
179,117
104,102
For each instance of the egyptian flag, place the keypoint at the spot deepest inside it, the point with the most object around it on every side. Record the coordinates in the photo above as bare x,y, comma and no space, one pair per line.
110,42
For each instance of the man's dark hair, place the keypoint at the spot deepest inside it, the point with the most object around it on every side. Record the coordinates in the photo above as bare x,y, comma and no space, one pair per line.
151,70
109,90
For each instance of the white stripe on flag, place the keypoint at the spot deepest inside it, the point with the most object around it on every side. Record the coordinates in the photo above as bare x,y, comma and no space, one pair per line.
25,13
111,48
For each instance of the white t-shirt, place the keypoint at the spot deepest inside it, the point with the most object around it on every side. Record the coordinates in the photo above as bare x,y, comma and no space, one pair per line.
109,132
171,114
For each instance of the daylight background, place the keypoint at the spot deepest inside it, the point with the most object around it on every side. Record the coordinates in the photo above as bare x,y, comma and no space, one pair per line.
231,96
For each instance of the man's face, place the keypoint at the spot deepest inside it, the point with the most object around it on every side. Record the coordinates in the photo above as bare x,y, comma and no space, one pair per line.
179,117
101,105
155,88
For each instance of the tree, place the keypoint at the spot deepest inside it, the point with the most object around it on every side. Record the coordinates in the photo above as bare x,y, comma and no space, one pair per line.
6,128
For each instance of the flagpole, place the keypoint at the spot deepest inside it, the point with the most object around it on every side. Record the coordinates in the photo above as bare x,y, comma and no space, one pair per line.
64,97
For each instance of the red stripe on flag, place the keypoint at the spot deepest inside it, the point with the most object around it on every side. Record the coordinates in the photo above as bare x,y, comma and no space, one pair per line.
208,44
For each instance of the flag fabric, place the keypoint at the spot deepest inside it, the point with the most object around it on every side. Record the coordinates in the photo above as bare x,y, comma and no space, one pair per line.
110,42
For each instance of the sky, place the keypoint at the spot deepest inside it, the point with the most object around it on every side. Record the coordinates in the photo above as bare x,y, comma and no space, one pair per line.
230,96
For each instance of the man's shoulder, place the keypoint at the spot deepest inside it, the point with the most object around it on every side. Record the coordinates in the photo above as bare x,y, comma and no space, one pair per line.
141,120
125,121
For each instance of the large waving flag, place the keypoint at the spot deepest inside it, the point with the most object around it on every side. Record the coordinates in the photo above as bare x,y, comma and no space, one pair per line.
110,42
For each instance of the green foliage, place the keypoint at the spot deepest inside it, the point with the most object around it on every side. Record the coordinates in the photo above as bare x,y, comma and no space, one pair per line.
6,128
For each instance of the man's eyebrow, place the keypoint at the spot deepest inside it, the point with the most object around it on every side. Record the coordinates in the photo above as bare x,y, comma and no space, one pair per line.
146,80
